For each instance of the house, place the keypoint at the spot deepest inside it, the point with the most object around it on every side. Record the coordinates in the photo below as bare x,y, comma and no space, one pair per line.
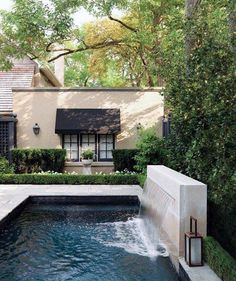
25,74
101,119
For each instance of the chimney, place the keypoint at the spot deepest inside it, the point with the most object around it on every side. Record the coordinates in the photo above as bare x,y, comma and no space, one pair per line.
59,65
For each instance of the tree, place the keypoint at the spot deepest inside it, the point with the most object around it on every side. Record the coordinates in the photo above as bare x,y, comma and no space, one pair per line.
144,26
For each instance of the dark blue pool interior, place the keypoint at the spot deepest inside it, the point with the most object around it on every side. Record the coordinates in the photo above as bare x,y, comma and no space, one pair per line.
70,239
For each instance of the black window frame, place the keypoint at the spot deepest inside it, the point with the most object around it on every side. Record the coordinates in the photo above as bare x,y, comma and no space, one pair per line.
95,138
97,146
99,150
63,146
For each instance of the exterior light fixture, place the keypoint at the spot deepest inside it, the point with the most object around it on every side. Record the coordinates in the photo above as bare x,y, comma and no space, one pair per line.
193,245
139,126
36,129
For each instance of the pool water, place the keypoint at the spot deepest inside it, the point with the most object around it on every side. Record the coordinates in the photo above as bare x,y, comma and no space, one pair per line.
49,242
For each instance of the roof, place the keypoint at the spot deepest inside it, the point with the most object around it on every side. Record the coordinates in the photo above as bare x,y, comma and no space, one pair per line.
100,121
21,75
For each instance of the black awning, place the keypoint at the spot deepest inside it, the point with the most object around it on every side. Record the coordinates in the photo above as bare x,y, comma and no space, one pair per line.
98,121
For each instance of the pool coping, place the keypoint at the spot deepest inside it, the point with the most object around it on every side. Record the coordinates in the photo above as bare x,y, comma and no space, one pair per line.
12,196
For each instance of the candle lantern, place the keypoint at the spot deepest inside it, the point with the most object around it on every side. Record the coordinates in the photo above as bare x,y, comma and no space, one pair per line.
193,245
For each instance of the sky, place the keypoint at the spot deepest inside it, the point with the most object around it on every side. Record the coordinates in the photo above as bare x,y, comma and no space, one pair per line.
80,17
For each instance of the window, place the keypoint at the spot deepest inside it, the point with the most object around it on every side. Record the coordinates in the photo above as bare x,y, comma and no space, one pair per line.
71,146
101,145
88,142
106,145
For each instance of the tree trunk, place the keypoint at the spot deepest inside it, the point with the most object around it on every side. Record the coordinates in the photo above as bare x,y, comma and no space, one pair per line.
232,23
190,10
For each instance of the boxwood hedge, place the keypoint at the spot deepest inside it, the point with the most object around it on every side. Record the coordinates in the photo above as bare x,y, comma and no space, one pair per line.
36,160
69,179
219,260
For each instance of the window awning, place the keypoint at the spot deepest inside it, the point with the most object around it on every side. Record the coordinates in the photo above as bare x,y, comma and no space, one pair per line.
98,121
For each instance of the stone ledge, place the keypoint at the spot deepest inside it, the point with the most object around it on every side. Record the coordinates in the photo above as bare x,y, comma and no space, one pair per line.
201,273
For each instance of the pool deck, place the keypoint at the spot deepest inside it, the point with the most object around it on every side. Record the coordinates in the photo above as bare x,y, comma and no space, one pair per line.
12,195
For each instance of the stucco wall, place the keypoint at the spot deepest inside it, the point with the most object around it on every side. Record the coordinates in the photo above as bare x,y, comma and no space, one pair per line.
39,106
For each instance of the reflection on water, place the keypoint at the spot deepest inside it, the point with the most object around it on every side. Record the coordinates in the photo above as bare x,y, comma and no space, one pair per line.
81,243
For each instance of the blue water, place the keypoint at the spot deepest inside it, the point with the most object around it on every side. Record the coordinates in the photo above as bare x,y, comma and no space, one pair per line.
79,243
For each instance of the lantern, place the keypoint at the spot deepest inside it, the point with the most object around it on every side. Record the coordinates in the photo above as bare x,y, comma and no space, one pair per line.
193,245
36,129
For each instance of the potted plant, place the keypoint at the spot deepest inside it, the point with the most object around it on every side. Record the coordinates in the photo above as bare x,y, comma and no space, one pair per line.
87,157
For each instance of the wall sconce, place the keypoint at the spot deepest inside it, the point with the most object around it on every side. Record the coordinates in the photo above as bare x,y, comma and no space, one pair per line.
36,129
193,245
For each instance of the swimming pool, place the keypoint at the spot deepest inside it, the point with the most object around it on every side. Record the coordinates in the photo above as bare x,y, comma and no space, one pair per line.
64,241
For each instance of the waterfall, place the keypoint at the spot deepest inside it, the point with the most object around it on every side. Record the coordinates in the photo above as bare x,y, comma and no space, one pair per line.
141,235
155,204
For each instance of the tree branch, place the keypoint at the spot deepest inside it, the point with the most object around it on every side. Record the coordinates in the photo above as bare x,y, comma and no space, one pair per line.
123,24
87,47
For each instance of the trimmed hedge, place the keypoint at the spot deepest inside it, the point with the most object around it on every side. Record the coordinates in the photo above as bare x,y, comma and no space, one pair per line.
124,159
37,160
5,167
69,179
219,260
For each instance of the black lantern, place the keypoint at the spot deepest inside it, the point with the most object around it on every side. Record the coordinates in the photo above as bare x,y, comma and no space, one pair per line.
193,245
36,129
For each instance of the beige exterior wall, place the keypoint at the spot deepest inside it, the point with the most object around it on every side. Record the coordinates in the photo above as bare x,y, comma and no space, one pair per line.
39,106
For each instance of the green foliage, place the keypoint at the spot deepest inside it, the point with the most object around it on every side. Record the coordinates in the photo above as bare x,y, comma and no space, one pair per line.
5,167
124,159
142,179
200,93
219,260
221,214
37,160
88,154
68,179
151,150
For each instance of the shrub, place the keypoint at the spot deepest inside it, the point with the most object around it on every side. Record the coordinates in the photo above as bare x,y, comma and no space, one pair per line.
219,260
5,167
36,160
222,214
124,159
68,179
151,150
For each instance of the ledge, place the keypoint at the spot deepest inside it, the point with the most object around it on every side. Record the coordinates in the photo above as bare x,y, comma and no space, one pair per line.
201,273
94,164
56,89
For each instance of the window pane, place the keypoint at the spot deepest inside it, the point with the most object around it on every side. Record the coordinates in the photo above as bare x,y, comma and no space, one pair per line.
66,138
102,146
84,138
91,138
67,154
109,146
102,138
103,154
67,146
74,138
109,155
109,138
74,146
74,154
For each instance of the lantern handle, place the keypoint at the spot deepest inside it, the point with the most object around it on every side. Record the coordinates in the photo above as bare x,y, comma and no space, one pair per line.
195,225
